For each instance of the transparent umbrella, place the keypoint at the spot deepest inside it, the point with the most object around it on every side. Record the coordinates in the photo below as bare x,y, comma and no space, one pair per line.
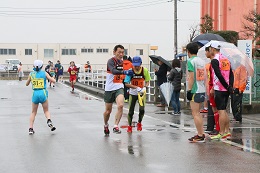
167,90
235,56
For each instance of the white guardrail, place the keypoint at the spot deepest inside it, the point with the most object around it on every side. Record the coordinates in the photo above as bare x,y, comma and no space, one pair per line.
97,78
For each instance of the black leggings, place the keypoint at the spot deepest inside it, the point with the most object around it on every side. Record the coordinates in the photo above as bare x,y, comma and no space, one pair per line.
132,102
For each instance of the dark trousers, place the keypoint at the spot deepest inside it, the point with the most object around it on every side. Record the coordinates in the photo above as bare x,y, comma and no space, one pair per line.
236,105
210,118
126,93
132,101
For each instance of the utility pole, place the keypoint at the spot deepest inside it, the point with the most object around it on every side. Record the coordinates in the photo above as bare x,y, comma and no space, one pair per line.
175,29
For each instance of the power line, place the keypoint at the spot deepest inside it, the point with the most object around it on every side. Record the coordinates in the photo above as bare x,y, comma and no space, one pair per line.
51,12
58,8
85,12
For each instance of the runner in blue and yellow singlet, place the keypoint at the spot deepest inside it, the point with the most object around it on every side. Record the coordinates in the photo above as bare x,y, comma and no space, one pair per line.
40,94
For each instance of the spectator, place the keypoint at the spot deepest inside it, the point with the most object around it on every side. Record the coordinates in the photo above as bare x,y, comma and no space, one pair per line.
20,71
57,70
88,68
175,77
161,78
240,80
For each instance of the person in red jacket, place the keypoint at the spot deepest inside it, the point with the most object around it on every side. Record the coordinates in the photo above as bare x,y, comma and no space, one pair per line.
73,70
127,65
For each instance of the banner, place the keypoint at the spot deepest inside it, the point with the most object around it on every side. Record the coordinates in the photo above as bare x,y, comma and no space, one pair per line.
245,46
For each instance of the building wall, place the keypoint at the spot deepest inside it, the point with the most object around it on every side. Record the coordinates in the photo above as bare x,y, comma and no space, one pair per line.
228,14
79,58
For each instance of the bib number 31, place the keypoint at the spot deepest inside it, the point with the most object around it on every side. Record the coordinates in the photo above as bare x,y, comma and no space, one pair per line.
38,83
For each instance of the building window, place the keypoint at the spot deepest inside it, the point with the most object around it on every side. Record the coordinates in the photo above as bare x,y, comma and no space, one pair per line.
105,50
99,50
102,50
7,51
68,51
87,50
48,53
126,51
28,51
139,52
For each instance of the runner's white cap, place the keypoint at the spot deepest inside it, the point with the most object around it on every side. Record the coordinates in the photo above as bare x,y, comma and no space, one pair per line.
38,63
215,44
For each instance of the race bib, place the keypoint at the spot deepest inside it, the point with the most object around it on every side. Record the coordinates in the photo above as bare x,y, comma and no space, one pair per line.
118,79
200,74
73,72
38,83
138,82
225,65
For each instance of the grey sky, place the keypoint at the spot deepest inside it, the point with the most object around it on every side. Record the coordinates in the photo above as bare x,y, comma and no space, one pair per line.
97,21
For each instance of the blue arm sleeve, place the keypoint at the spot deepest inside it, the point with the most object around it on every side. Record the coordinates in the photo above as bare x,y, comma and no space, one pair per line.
127,79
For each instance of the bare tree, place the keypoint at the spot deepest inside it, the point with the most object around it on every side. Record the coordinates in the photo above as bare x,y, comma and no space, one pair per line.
194,32
207,24
251,26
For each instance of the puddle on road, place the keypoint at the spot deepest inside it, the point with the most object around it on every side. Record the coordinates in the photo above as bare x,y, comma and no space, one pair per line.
83,96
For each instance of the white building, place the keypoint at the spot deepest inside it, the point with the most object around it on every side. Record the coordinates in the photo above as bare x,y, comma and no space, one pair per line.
96,53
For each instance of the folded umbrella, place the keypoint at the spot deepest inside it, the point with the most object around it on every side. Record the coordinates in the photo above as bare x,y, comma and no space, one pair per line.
167,90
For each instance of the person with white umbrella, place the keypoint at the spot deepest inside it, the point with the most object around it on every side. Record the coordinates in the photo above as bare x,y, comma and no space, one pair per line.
222,87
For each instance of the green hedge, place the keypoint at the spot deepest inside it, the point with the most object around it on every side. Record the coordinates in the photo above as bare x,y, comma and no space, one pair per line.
229,36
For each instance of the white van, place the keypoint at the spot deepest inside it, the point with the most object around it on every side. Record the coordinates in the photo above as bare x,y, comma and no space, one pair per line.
12,64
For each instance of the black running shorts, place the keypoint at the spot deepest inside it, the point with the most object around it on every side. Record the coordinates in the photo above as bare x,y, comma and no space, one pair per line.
221,99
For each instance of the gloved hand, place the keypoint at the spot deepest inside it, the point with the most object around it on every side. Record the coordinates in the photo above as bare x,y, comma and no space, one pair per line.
139,89
189,95
128,72
236,91
230,89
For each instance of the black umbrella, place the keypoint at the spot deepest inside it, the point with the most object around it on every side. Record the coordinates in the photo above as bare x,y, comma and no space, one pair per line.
208,37
156,58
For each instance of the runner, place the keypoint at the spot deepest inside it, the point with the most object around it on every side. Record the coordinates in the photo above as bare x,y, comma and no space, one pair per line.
211,96
40,93
73,70
222,85
52,73
196,89
114,89
137,84
127,64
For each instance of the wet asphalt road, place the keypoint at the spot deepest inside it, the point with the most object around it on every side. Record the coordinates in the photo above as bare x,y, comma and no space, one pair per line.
79,145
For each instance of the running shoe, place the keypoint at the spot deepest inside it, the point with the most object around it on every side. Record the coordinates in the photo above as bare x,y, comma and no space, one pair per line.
204,111
139,127
49,122
216,137
72,89
214,132
106,130
126,101
197,138
31,131
129,129
116,130
226,136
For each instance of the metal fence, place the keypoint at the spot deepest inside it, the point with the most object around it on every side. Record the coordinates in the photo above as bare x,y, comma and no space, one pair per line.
97,78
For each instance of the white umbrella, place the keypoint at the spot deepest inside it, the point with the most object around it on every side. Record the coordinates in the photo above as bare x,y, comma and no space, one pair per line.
167,90
235,56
